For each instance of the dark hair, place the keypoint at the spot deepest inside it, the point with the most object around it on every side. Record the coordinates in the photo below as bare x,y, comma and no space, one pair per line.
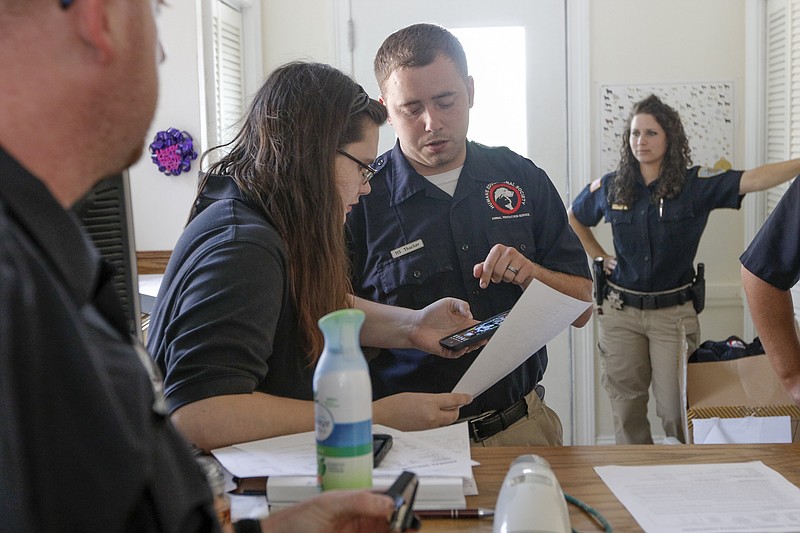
418,45
677,158
282,161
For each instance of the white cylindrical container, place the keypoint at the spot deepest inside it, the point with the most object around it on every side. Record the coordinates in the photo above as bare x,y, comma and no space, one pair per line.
343,405
531,499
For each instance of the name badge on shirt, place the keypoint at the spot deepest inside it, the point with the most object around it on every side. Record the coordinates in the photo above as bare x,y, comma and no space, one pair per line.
407,248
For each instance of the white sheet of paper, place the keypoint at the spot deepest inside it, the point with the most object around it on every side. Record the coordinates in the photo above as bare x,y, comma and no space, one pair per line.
539,315
748,430
705,498
248,507
436,452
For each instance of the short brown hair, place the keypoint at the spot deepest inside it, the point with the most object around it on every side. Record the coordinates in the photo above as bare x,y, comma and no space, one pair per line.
418,45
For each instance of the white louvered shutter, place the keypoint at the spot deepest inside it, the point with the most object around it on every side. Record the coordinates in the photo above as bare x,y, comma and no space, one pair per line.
228,70
782,94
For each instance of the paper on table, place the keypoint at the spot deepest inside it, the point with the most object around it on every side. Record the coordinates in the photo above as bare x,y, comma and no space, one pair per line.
700,498
748,430
539,315
436,452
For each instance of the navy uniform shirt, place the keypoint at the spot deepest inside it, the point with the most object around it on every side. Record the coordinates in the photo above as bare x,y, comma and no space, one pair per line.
655,245
413,244
224,321
774,254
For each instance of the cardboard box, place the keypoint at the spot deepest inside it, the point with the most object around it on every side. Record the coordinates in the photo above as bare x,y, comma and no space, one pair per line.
735,389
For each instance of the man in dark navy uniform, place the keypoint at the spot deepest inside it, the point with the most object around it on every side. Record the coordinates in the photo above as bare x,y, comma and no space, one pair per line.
448,217
770,268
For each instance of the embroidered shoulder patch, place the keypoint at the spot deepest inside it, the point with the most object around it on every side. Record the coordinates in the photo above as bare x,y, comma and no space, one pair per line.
708,172
595,184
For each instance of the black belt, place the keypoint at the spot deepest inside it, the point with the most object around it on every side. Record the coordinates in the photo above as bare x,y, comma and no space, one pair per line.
652,300
493,422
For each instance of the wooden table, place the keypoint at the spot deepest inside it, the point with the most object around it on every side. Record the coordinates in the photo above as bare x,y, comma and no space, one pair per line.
574,468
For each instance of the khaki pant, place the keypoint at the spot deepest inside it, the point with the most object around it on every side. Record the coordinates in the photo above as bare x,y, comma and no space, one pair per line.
637,346
540,427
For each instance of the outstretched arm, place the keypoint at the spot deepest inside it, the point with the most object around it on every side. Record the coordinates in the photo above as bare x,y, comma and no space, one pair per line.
768,176
230,419
773,316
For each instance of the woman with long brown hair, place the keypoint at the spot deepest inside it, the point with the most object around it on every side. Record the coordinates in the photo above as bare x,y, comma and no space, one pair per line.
263,257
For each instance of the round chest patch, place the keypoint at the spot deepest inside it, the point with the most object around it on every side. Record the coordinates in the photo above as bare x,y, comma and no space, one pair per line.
504,196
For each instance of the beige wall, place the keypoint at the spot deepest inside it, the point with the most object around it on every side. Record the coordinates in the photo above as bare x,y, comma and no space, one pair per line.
161,203
297,29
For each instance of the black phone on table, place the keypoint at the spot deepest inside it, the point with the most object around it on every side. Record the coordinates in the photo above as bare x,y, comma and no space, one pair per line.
381,444
471,335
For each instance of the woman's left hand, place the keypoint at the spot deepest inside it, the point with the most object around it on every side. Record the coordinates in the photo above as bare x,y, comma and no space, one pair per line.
439,319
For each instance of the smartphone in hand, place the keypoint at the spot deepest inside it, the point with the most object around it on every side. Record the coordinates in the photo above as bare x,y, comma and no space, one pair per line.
478,332
403,491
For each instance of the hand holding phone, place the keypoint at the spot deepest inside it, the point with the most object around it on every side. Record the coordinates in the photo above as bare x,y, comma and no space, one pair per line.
403,491
478,332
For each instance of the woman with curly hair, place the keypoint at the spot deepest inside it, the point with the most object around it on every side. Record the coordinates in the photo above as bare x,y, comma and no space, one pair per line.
658,207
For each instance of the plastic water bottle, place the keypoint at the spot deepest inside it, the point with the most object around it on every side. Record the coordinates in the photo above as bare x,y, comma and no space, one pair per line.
343,405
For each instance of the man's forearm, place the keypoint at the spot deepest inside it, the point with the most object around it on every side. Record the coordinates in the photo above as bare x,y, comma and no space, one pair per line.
773,316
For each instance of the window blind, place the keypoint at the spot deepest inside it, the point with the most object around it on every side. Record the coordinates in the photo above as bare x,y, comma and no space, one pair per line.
782,94
227,25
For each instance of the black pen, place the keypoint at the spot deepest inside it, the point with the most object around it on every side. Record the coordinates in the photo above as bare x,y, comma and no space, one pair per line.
455,513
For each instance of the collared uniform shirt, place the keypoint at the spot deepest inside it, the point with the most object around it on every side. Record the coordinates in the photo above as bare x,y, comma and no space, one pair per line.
774,255
655,245
413,244
83,446
224,322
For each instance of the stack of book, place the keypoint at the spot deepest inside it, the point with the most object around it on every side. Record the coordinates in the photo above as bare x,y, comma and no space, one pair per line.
433,492
285,467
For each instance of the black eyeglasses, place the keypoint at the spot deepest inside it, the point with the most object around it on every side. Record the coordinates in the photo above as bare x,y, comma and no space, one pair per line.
367,171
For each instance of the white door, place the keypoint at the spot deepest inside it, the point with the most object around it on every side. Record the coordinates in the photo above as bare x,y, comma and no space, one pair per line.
516,52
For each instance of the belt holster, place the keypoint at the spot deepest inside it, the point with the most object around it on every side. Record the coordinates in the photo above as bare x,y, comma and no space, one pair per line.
698,289
599,280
